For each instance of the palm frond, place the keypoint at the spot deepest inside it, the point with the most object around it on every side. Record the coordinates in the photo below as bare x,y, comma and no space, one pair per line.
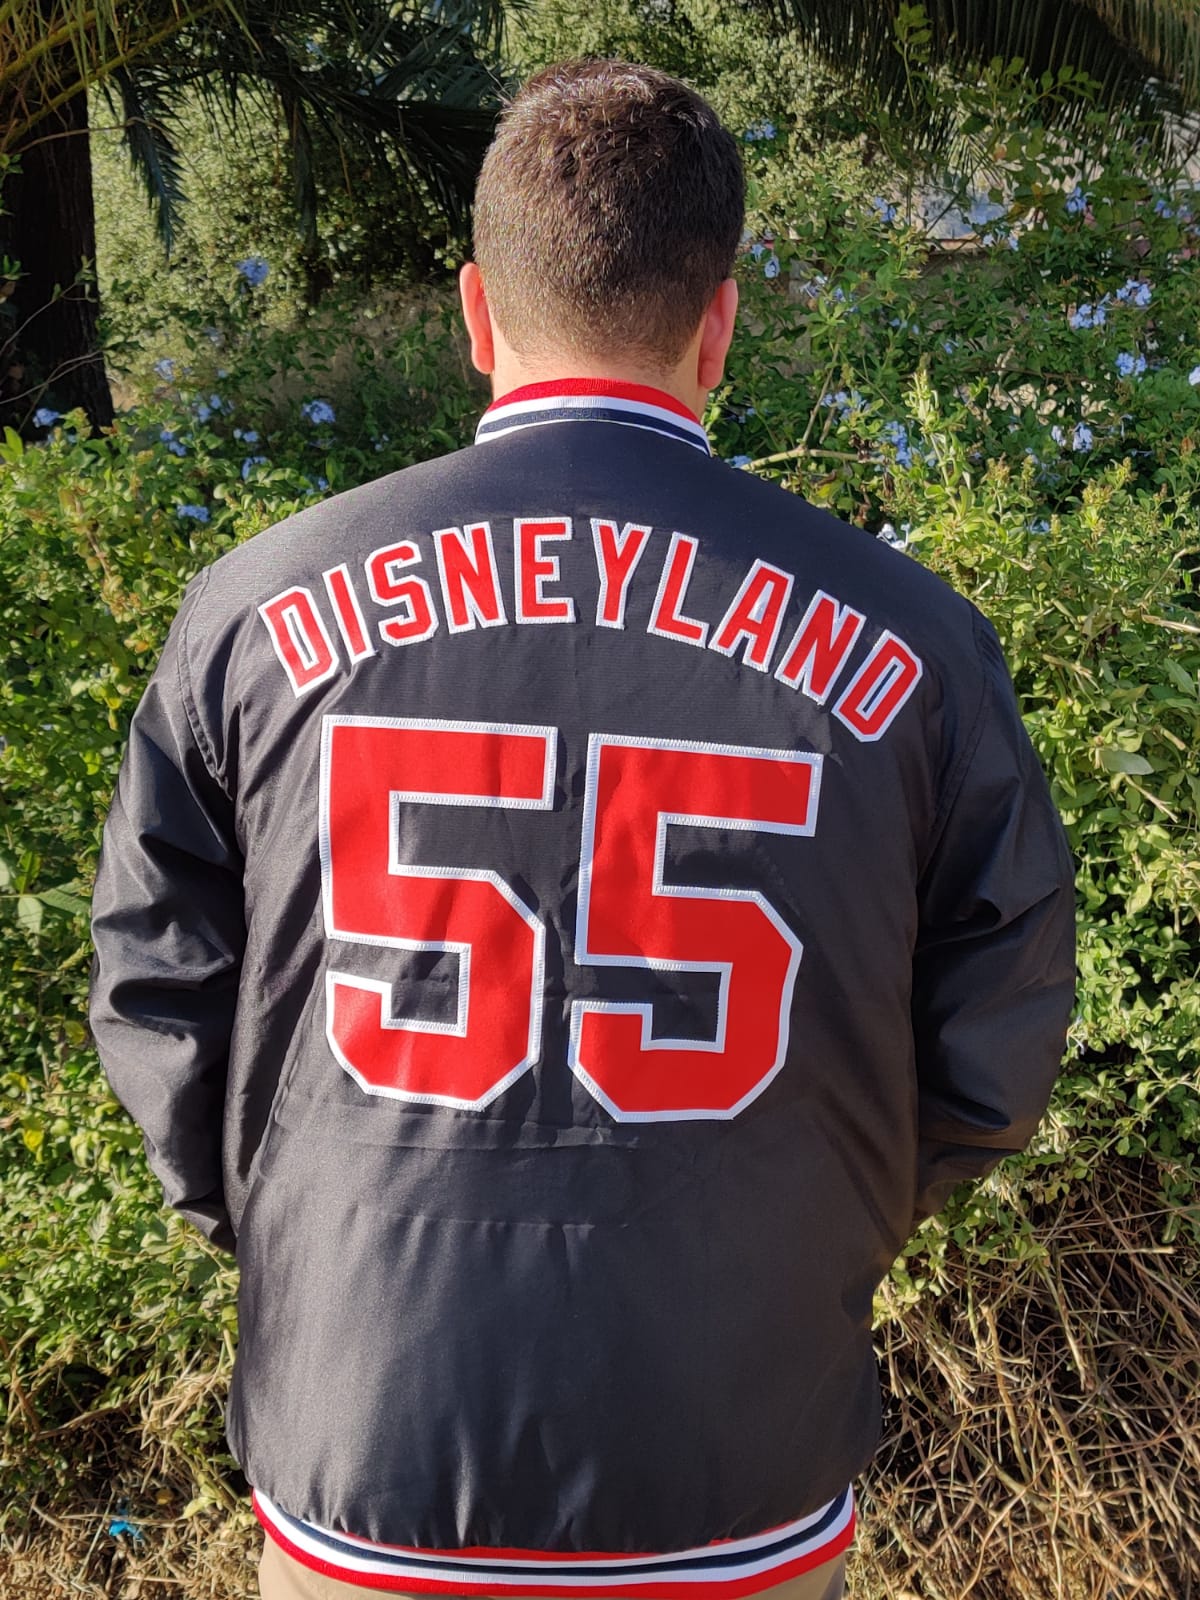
401,89
145,118
1165,33
1142,56
52,50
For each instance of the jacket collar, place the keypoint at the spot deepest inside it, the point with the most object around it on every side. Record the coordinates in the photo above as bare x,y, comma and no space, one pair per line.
591,400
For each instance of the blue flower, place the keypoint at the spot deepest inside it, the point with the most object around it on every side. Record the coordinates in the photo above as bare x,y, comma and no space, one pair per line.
317,411
174,445
1088,315
1130,366
759,130
1039,527
246,435
1163,210
1134,293
896,433
1056,434
254,269
202,411
739,461
44,417
984,211
250,463
887,211
1077,201
1083,437
197,513
771,267
1193,379
165,368
844,403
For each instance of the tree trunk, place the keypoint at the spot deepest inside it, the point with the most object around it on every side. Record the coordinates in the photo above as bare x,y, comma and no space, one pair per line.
50,352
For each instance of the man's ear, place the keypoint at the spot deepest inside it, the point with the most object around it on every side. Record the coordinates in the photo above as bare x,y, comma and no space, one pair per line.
478,318
716,335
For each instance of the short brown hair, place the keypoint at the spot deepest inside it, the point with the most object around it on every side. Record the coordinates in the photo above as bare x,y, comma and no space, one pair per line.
609,209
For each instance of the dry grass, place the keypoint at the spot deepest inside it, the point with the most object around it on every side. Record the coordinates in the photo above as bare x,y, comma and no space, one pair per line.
1042,1442
1043,1438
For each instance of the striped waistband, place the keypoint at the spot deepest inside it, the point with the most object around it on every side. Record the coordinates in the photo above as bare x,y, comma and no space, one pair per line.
729,1567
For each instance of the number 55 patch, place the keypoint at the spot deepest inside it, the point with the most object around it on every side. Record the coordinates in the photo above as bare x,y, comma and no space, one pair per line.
628,916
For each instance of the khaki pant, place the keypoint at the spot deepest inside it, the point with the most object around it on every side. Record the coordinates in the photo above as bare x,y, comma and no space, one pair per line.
281,1577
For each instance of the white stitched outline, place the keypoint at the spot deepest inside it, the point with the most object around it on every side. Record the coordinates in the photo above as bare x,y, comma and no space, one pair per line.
620,540
678,634
475,616
556,528
398,869
343,625
585,957
887,682
802,680
757,614
403,553
288,618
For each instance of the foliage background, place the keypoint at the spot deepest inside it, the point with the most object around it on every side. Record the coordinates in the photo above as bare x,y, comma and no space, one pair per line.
1020,408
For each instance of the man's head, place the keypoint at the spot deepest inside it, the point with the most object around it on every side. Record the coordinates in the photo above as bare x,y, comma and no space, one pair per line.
607,219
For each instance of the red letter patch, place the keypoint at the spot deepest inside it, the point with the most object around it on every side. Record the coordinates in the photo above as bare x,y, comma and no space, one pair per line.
756,615
820,646
419,620
880,687
303,646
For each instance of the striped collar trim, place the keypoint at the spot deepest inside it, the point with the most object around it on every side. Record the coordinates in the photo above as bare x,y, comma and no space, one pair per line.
536,405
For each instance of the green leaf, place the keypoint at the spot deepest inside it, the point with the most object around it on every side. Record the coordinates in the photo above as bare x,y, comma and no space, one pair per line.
63,900
1127,761
29,913
1140,898
1181,679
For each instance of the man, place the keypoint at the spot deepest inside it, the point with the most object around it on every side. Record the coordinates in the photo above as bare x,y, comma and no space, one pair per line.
568,910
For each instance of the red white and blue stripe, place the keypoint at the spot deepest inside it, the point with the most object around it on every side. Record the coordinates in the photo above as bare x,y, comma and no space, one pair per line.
538,405
728,1568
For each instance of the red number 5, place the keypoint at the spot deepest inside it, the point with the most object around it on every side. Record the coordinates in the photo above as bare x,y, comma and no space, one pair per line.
370,766
628,915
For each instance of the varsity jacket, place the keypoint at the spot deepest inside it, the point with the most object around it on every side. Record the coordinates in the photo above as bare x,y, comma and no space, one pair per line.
568,910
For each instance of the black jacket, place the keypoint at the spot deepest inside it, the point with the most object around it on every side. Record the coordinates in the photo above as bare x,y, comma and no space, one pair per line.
569,993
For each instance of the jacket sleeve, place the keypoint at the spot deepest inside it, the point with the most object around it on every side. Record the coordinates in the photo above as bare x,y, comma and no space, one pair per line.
994,965
168,926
